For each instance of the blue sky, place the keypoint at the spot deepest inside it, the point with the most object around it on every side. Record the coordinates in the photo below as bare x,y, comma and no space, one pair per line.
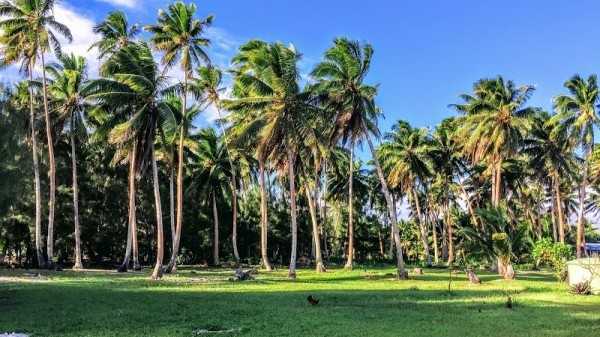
426,52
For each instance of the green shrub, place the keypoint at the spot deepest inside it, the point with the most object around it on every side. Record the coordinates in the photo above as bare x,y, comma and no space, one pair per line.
554,253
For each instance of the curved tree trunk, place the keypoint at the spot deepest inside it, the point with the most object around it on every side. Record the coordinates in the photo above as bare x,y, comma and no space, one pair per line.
401,271
36,176
132,218
216,260
293,256
580,221
559,211
350,263
78,264
263,217
52,164
158,268
469,205
320,267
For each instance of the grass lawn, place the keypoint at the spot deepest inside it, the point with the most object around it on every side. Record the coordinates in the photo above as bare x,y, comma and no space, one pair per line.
353,303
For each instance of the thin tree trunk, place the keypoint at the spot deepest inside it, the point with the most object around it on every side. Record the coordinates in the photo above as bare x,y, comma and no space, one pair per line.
78,264
263,217
553,214
468,201
580,222
381,250
451,252
436,248
234,192
559,211
324,225
350,262
498,183
131,214
52,163
134,245
292,272
401,272
36,176
320,267
173,261
424,236
158,268
444,227
216,260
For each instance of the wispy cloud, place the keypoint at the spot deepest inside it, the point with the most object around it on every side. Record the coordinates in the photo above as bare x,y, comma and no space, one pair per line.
121,3
221,39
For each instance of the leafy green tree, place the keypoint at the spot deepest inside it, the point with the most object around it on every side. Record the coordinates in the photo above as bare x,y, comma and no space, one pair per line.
115,33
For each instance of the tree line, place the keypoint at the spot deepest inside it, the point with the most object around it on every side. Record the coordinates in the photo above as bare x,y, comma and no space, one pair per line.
275,180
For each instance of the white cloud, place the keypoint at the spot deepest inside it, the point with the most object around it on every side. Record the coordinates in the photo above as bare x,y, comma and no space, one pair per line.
220,39
121,3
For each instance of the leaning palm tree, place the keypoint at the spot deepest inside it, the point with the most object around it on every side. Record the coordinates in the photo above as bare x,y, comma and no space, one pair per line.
134,87
33,21
115,33
405,157
266,81
494,124
181,37
340,80
576,118
207,87
67,78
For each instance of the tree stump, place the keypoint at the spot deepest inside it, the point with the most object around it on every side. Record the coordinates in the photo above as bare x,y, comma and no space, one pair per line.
509,272
418,271
473,279
242,275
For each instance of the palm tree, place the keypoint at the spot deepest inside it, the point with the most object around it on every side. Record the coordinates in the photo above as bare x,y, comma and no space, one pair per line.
115,35
494,124
266,80
577,119
552,160
135,85
207,86
211,161
32,22
340,79
115,32
67,78
22,47
180,36
405,156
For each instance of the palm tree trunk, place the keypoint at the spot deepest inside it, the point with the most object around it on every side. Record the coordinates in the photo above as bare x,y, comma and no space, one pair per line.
78,264
553,214
443,210
401,272
233,191
350,263
424,236
173,261
36,175
468,201
559,210
320,267
582,192
134,245
451,253
216,260
52,163
158,268
498,183
436,248
292,272
263,217
132,218
324,224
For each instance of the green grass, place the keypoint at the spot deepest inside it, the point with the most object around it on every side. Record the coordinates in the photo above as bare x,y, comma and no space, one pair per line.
101,303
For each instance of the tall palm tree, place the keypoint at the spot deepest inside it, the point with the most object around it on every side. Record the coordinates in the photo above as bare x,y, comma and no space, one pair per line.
207,87
15,47
577,118
67,78
494,124
115,33
340,78
211,163
552,160
266,80
405,156
135,85
180,36
33,22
